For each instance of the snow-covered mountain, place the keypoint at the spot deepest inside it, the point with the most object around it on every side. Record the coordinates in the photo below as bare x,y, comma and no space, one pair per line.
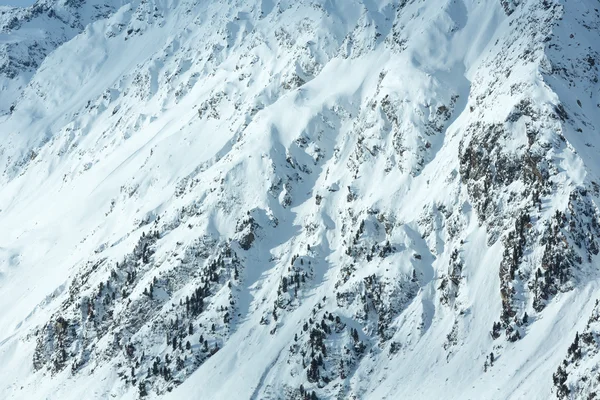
299,199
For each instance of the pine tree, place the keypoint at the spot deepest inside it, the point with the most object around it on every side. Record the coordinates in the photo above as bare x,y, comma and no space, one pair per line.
284,285
574,349
355,334
560,379
142,389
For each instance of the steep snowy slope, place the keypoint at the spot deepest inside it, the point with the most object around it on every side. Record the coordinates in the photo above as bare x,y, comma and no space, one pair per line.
299,199
29,34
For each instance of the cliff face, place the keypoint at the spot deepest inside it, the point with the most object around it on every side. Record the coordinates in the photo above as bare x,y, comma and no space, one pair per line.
299,199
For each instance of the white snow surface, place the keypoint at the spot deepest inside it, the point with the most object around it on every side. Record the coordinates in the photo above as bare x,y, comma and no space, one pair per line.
270,130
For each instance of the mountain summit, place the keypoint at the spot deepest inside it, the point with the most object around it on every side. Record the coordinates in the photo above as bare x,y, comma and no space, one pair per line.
300,199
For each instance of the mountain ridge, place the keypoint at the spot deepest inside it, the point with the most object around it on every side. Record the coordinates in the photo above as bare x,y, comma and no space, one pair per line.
341,198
